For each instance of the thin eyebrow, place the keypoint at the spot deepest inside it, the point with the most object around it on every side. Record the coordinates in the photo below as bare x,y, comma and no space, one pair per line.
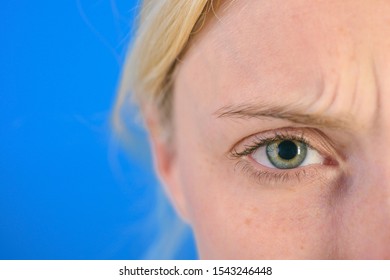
245,111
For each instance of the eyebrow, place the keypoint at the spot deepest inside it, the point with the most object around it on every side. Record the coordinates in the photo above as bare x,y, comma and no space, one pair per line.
246,111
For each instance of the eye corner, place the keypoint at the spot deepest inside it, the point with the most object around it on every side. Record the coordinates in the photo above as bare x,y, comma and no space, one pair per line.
329,161
235,154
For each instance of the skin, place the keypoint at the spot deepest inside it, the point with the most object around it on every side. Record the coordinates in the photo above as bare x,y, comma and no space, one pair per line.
322,69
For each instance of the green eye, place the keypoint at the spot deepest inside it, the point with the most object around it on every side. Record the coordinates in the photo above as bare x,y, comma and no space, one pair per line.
286,154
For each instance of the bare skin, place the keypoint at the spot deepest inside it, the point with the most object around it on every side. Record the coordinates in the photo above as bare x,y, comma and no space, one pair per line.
314,70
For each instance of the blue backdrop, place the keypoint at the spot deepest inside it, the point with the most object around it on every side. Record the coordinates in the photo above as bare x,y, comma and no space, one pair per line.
67,190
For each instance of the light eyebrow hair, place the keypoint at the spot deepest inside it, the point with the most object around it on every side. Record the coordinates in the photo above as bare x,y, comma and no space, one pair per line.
246,111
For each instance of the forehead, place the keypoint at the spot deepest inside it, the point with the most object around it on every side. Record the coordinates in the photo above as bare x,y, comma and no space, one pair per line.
265,49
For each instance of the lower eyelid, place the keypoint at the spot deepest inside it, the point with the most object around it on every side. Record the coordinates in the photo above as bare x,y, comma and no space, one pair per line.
270,176
266,176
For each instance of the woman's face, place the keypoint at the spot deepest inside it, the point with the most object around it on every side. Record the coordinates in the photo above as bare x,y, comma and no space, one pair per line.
282,131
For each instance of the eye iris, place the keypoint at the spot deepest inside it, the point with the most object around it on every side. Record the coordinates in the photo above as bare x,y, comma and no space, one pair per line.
286,154
287,150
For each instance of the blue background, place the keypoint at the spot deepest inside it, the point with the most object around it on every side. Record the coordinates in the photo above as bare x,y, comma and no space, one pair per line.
68,190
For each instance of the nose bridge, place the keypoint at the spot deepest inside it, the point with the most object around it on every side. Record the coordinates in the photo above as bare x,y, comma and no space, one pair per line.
367,203
375,176
378,152
380,133
363,212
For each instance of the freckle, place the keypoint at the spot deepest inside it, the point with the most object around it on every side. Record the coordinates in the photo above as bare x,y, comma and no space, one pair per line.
248,221
342,30
301,247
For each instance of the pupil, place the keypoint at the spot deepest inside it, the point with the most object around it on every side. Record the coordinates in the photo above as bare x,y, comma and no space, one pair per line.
287,150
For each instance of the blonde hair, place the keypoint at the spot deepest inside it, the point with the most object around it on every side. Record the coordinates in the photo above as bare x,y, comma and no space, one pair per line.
164,31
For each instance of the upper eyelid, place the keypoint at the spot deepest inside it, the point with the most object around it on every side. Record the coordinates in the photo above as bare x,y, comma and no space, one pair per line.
260,142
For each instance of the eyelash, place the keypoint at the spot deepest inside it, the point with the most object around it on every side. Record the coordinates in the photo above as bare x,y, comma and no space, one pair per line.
268,175
262,141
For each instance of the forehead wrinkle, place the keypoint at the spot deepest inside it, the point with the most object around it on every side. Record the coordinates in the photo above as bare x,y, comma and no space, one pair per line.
351,90
234,53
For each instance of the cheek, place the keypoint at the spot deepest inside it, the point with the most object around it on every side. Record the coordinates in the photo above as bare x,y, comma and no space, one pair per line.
234,218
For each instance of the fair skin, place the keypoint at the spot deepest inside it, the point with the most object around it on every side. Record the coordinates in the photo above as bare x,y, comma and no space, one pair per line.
314,70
